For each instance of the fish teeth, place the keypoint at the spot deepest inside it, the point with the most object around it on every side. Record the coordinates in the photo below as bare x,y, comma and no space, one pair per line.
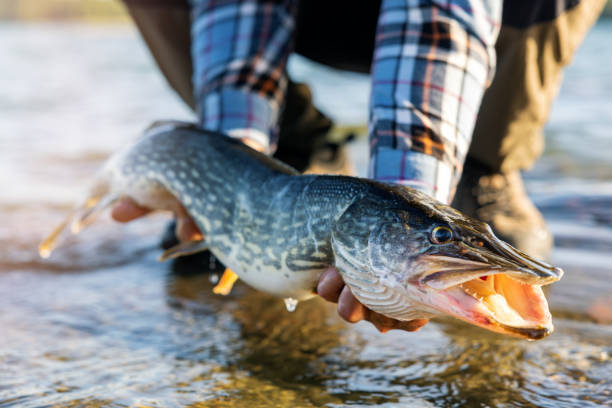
496,303
470,292
473,293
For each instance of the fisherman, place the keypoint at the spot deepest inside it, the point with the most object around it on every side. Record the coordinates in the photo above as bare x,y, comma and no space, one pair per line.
460,93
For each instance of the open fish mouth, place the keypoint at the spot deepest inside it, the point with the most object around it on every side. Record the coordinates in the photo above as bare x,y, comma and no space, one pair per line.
502,304
500,299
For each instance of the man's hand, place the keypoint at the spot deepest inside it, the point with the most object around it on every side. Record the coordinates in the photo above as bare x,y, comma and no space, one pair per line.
127,210
330,287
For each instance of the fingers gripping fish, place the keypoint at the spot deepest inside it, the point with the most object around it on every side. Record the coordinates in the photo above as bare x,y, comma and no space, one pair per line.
401,253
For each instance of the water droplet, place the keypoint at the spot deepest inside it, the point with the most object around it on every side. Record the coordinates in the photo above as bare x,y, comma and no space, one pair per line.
290,304
213,278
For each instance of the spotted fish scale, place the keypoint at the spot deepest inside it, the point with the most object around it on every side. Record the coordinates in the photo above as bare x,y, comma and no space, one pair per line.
279,230
259,217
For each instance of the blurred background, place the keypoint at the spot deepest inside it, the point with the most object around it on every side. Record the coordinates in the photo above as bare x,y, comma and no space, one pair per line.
63,10
90,10
101,323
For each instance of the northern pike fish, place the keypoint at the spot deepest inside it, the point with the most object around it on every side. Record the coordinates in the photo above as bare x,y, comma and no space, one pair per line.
402,253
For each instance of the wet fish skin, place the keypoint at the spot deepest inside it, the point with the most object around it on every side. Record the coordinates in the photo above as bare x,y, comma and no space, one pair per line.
261,218
279,230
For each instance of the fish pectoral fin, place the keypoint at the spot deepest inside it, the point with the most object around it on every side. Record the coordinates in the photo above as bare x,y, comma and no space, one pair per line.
88,213
224,287
184,248
48,244
76,220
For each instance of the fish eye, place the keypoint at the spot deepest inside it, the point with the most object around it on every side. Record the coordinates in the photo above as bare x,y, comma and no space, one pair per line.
441,235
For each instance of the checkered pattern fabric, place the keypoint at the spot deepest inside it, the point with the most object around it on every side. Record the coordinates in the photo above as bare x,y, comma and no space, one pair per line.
432,63
239,51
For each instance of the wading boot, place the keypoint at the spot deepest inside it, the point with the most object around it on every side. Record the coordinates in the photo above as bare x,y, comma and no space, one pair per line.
305,140
500,200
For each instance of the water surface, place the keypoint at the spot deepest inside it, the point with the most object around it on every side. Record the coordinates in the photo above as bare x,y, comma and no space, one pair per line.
102,323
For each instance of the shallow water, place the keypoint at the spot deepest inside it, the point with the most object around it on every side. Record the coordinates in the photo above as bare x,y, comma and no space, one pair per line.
102,323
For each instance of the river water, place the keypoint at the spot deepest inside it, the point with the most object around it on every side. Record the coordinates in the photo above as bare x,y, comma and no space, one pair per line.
102,323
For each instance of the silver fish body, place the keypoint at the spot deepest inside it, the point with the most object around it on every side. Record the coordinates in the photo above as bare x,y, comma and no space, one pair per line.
278,230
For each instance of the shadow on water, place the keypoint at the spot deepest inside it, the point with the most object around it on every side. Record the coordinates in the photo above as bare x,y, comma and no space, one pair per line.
277,360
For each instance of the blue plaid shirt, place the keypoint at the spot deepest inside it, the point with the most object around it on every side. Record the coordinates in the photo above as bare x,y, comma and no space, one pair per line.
431,65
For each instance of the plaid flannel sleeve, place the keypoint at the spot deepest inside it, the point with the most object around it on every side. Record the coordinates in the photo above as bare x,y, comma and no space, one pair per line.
239,51
432,63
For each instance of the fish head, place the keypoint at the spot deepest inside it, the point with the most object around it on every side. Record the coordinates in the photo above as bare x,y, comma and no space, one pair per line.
408,253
